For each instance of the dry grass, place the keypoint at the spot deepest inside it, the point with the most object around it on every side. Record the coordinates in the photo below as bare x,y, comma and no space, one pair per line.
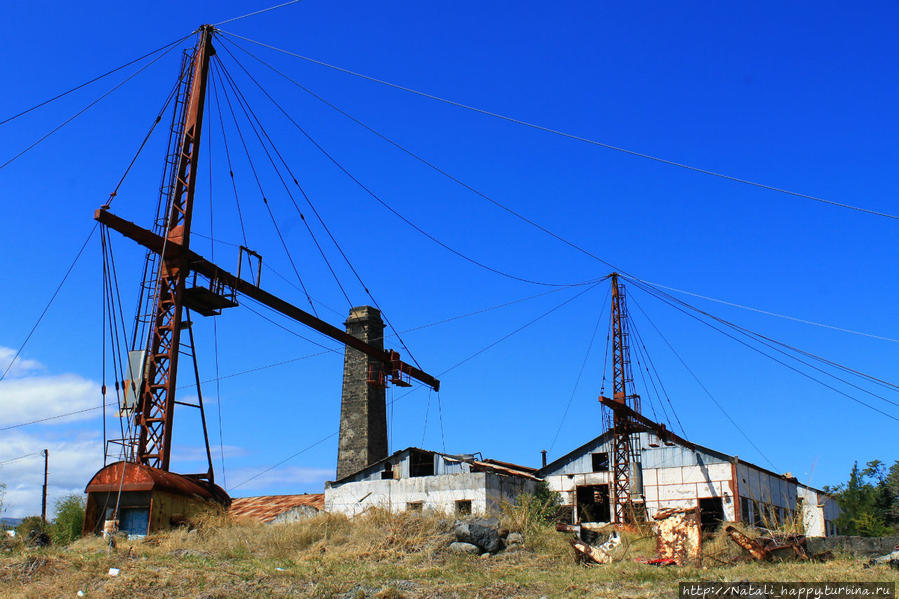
378,555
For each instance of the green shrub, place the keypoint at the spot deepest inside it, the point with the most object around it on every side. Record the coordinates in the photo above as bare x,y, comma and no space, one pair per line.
69,519
31,528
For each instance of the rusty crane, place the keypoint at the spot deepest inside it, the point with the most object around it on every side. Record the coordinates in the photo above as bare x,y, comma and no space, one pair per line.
140,490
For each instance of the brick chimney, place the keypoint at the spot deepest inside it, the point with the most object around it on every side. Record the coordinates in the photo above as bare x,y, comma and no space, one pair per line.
363,408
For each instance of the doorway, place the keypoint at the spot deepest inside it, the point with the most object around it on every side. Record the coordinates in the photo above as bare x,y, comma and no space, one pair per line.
593,503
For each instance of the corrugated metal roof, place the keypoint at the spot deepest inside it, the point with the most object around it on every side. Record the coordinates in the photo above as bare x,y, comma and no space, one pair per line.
268,507
140,477
510,469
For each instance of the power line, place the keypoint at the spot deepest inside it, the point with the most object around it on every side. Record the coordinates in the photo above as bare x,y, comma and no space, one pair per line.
706,390
580,372
256,12
425,161
86,108
521,216
769,356
760,338
569,135
21,457
50,302
97,78
58,416
767,313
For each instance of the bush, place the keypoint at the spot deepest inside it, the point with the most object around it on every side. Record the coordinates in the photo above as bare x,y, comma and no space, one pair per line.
69,519
34,531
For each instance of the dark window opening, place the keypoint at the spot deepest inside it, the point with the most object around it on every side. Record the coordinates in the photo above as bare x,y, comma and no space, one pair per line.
744,510
600,462
387,473
421,464
414,506
593,503
463,507
711,513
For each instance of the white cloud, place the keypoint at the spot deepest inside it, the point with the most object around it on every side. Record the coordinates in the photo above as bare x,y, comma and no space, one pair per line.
21,367
37,397
73,460
29,396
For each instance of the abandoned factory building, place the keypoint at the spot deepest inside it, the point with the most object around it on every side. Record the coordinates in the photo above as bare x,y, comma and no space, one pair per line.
678,473
416,479
669,473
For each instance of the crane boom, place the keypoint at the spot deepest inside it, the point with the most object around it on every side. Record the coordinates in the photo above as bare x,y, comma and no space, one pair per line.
196,263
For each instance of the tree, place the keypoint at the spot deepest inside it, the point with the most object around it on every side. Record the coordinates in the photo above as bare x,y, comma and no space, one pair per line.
869,500
69,519
2,492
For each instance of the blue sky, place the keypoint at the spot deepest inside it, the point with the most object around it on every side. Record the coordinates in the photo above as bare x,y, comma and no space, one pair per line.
798,96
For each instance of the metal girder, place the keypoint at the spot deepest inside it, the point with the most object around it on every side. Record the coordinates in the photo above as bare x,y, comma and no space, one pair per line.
196,263
157,403
622,449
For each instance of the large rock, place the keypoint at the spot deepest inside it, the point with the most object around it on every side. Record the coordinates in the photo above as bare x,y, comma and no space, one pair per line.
484,533
460,547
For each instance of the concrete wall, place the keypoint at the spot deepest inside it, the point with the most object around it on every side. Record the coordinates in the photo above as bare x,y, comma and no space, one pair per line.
438,493
301,512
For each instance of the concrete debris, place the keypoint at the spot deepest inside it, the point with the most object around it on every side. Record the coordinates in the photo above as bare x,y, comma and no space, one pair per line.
890,559
462,547
514,538
601,554
679,535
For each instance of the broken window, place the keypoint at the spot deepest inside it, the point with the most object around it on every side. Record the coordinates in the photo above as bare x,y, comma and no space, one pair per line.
387,473
421,463
711,513
744,510
600,461
414,506
756,513
463,507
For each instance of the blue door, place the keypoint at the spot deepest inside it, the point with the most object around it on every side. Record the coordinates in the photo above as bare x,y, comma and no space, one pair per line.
134,521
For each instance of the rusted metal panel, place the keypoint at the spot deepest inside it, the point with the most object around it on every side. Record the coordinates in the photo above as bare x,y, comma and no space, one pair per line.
791,546
267,508
679,535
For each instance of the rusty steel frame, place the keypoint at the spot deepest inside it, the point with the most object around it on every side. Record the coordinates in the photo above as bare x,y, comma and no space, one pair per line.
622,424
154,418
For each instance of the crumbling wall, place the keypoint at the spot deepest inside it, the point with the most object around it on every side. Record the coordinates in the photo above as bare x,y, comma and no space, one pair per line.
434,493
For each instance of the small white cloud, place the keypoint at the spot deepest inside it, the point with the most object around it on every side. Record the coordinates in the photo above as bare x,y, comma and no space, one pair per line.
21,367
36,397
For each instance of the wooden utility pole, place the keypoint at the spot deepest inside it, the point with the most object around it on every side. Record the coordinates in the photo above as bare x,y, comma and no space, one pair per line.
44,492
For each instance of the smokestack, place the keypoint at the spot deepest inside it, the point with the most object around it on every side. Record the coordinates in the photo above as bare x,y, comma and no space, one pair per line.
543,457
363,408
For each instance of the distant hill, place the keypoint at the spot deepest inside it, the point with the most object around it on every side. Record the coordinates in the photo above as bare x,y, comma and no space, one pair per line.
10,522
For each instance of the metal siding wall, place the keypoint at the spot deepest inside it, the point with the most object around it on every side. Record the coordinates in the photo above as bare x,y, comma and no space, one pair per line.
653,457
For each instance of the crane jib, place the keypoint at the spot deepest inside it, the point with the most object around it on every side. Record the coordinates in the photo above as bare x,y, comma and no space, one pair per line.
200,265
